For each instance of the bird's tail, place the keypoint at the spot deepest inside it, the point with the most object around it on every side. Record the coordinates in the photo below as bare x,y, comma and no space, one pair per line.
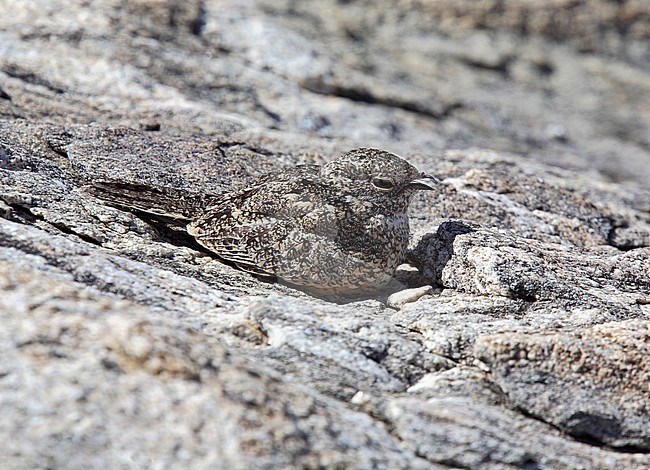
167,204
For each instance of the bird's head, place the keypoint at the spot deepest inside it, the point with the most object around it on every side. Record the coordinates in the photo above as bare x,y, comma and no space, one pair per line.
378,176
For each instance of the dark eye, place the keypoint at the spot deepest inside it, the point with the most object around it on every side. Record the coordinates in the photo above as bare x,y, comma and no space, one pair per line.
383,183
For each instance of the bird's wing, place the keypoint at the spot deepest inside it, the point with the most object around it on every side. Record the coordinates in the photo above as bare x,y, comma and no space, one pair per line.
240,237
247,227
233,249
167,204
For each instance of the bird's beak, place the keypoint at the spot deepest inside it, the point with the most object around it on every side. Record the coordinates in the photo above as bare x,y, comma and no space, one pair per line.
425,182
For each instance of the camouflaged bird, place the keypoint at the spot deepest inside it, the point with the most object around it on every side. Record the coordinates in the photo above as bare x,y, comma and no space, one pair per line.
340,228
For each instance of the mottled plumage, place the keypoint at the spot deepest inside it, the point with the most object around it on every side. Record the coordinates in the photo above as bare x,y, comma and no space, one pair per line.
337,229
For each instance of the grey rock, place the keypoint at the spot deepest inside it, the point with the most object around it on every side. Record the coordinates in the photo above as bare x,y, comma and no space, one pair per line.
497,262
125,345
92,381
594,383
459,432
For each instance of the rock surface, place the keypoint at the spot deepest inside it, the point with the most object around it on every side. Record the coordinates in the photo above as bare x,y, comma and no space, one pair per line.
522,342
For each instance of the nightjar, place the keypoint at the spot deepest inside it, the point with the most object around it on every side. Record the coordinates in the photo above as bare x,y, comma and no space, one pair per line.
341,228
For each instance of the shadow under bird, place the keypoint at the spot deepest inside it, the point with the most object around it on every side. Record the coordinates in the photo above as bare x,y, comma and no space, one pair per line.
339,229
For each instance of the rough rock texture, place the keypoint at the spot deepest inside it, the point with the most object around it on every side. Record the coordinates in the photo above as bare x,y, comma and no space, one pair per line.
523,342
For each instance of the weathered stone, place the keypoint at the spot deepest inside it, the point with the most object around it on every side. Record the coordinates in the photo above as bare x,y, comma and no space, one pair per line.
92,380
125,344
483,261
593,383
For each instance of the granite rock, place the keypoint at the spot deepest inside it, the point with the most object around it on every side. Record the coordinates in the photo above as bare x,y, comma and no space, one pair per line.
518,342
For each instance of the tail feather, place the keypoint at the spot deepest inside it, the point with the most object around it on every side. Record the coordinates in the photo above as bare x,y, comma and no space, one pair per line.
162,203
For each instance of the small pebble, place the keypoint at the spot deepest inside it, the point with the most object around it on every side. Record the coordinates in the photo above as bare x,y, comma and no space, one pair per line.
403,297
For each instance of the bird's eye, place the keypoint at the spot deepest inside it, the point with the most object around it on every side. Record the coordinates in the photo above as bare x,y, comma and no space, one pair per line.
383,183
